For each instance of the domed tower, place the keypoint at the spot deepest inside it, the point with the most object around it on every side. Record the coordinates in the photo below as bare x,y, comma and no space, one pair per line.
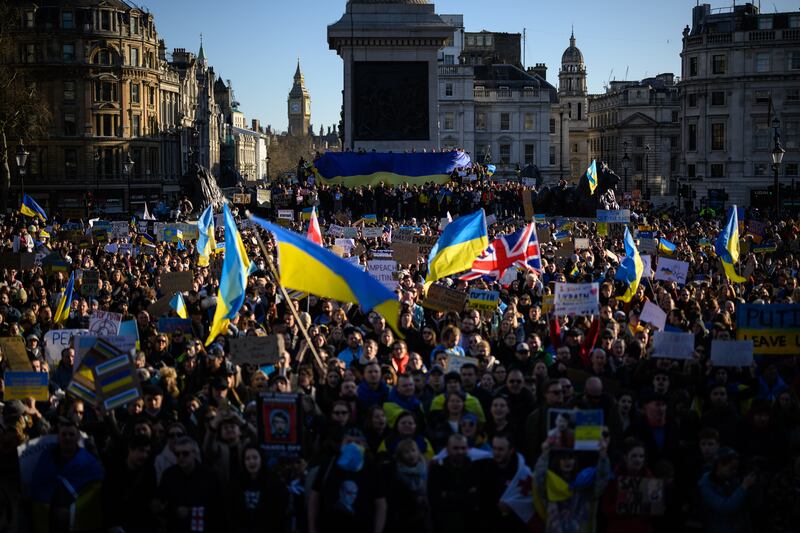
299,106
573,100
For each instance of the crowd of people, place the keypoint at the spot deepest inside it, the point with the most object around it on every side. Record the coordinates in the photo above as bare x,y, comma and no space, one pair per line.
429,428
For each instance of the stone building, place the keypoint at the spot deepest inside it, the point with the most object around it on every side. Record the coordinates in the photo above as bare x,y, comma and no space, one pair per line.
639,118
299,106
740,71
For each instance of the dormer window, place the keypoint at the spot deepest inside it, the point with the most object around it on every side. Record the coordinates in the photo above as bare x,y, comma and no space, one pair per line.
68,20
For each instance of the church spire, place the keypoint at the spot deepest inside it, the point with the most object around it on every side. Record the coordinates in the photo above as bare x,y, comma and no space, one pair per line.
298,75
201,55
572,37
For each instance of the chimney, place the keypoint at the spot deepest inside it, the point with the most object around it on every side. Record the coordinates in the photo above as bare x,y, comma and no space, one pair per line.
540,70
256,124
162,50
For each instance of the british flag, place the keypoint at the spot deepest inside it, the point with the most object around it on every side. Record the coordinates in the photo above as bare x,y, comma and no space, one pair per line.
520,249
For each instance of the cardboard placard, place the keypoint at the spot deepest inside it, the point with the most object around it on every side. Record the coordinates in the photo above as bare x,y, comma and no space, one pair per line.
483,300
279,425
286,214
732,353
15,353
160,307
648,246
90,283
24,385
56,340
566,250
405,253
403,235
527,205
172,282
548,303
673,345
455,362
241,199
582,243
263,197
425,242
653,315
116,382
372,232
640,496
104,323
257,350
577,299
543,233
442,298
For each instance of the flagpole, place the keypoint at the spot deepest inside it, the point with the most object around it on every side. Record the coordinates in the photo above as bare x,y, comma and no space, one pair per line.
273,270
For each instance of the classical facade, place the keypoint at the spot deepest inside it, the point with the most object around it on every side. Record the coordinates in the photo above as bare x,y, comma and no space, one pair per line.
639,118
298,106
740,71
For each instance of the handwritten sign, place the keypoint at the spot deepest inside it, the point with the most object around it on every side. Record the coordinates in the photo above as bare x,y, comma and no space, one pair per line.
640,496
57,340
265,350
732,353
24,385
383,270
672,270
16,354
673,345
618,216
372,232
483,300
172,282
241,198
455,362
104,323
286,214
441,298
90,284
653,315
582,243
773,328
405,253
403,235
577,299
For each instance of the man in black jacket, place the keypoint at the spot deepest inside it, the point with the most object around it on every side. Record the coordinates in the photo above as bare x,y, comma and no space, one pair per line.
453,485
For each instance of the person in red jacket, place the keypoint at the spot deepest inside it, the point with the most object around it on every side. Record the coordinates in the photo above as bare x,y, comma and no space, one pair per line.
579,348
400,356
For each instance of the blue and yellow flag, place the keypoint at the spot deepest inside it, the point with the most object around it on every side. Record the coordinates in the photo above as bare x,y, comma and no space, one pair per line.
233,281
308,267
353,169
206,244
727,246
146,238
665,246
30,208
591,175
62,311
631,269
490,170
179,305
459,244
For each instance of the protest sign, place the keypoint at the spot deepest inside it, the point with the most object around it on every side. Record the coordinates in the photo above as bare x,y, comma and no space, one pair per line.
345,244
527,204
614,216
566,251
425,242
490,219
279,425
766,248
543,233
372,232
483,300
56,340
648,246
405,253
115,343
382,270
241,199
672,270
588,429
757,230
160,307
640,496
116,382
90,283
577,299
359,249
774,328
573,429
15,353
120,229
641,234
442,298
170,325
263,197
582,243
335,230
259,351
338,250
24,385
547,303
403,235
654,315
602,229
286,214
172,282
647,263
104,323
455,362
673,345
732,353
190,231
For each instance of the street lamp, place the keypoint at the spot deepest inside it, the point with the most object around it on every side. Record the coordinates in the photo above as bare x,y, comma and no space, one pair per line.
626,162
777,157
127,168
22,160
646,171
268,158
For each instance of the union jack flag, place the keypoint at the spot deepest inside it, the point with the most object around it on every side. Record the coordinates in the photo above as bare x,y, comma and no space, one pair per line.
520,249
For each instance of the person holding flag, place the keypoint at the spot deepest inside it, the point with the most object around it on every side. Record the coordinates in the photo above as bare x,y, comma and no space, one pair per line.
727,246
30,208
631,269
206,243
65,303
591,175
458,246
314,234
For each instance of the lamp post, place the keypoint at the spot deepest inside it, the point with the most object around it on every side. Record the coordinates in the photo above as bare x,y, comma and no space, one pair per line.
127,168
268,178
777,157
626,162
22,160
646,171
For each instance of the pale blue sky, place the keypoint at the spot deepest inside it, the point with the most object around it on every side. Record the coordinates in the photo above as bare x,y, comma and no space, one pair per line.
256,43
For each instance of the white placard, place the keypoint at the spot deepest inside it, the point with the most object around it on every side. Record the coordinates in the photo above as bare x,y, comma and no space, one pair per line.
104,323
286,214
732,353
372,232
56,340
672,270
490,219
383,270
577,299
673,345
654,315
582,243
345,244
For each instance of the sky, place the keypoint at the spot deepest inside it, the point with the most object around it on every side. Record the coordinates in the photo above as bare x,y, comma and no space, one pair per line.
256,43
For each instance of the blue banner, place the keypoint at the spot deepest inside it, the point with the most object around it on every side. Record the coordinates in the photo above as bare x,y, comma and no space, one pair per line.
354,169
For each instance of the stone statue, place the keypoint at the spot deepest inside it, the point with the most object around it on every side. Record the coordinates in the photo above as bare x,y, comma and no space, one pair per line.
569,200
201,188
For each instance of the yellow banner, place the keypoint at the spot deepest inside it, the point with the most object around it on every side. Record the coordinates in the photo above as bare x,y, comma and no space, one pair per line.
772,341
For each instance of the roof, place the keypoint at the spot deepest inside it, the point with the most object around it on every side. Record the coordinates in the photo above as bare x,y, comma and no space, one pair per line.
572,54
511,76
389,2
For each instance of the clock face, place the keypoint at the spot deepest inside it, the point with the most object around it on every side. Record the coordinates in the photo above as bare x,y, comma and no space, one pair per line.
295,107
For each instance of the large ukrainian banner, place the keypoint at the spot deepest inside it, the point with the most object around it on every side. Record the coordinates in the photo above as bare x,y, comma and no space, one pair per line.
774,328
352,169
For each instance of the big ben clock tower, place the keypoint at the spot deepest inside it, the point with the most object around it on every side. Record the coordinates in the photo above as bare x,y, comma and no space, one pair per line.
299,103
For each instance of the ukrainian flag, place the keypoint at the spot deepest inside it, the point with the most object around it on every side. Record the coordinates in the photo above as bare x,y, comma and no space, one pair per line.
459,244
490,170
665,246
30,208
305,266
62,311
631,268
233,281
206,244
179,305
353,169
146,238
727,246
591,175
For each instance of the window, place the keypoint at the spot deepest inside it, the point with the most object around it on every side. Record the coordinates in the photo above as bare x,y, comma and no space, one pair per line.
68,20
70,126
70,162
575,148
765,23
673,141
692,99
29,53
762,97
105,20
102,57
791,134
105,91
104,125
480,121
719,64
448,89
479,40
793,95
470,40
638,163
638,141
134,57
691,171
30,19
530,121
580,111
151,91
552,125
692,136
69,91
718,98
675,116
135,93
449,121
692,66
449,59
134,25
717,136
135,126
759,169
530,154
717,170
505,154
791,169
794,61
762,62
673,164
488,40
794,21
552,155
68,52
762,135
505,121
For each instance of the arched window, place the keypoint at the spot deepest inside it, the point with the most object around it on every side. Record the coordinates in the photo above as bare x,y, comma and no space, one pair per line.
102,57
